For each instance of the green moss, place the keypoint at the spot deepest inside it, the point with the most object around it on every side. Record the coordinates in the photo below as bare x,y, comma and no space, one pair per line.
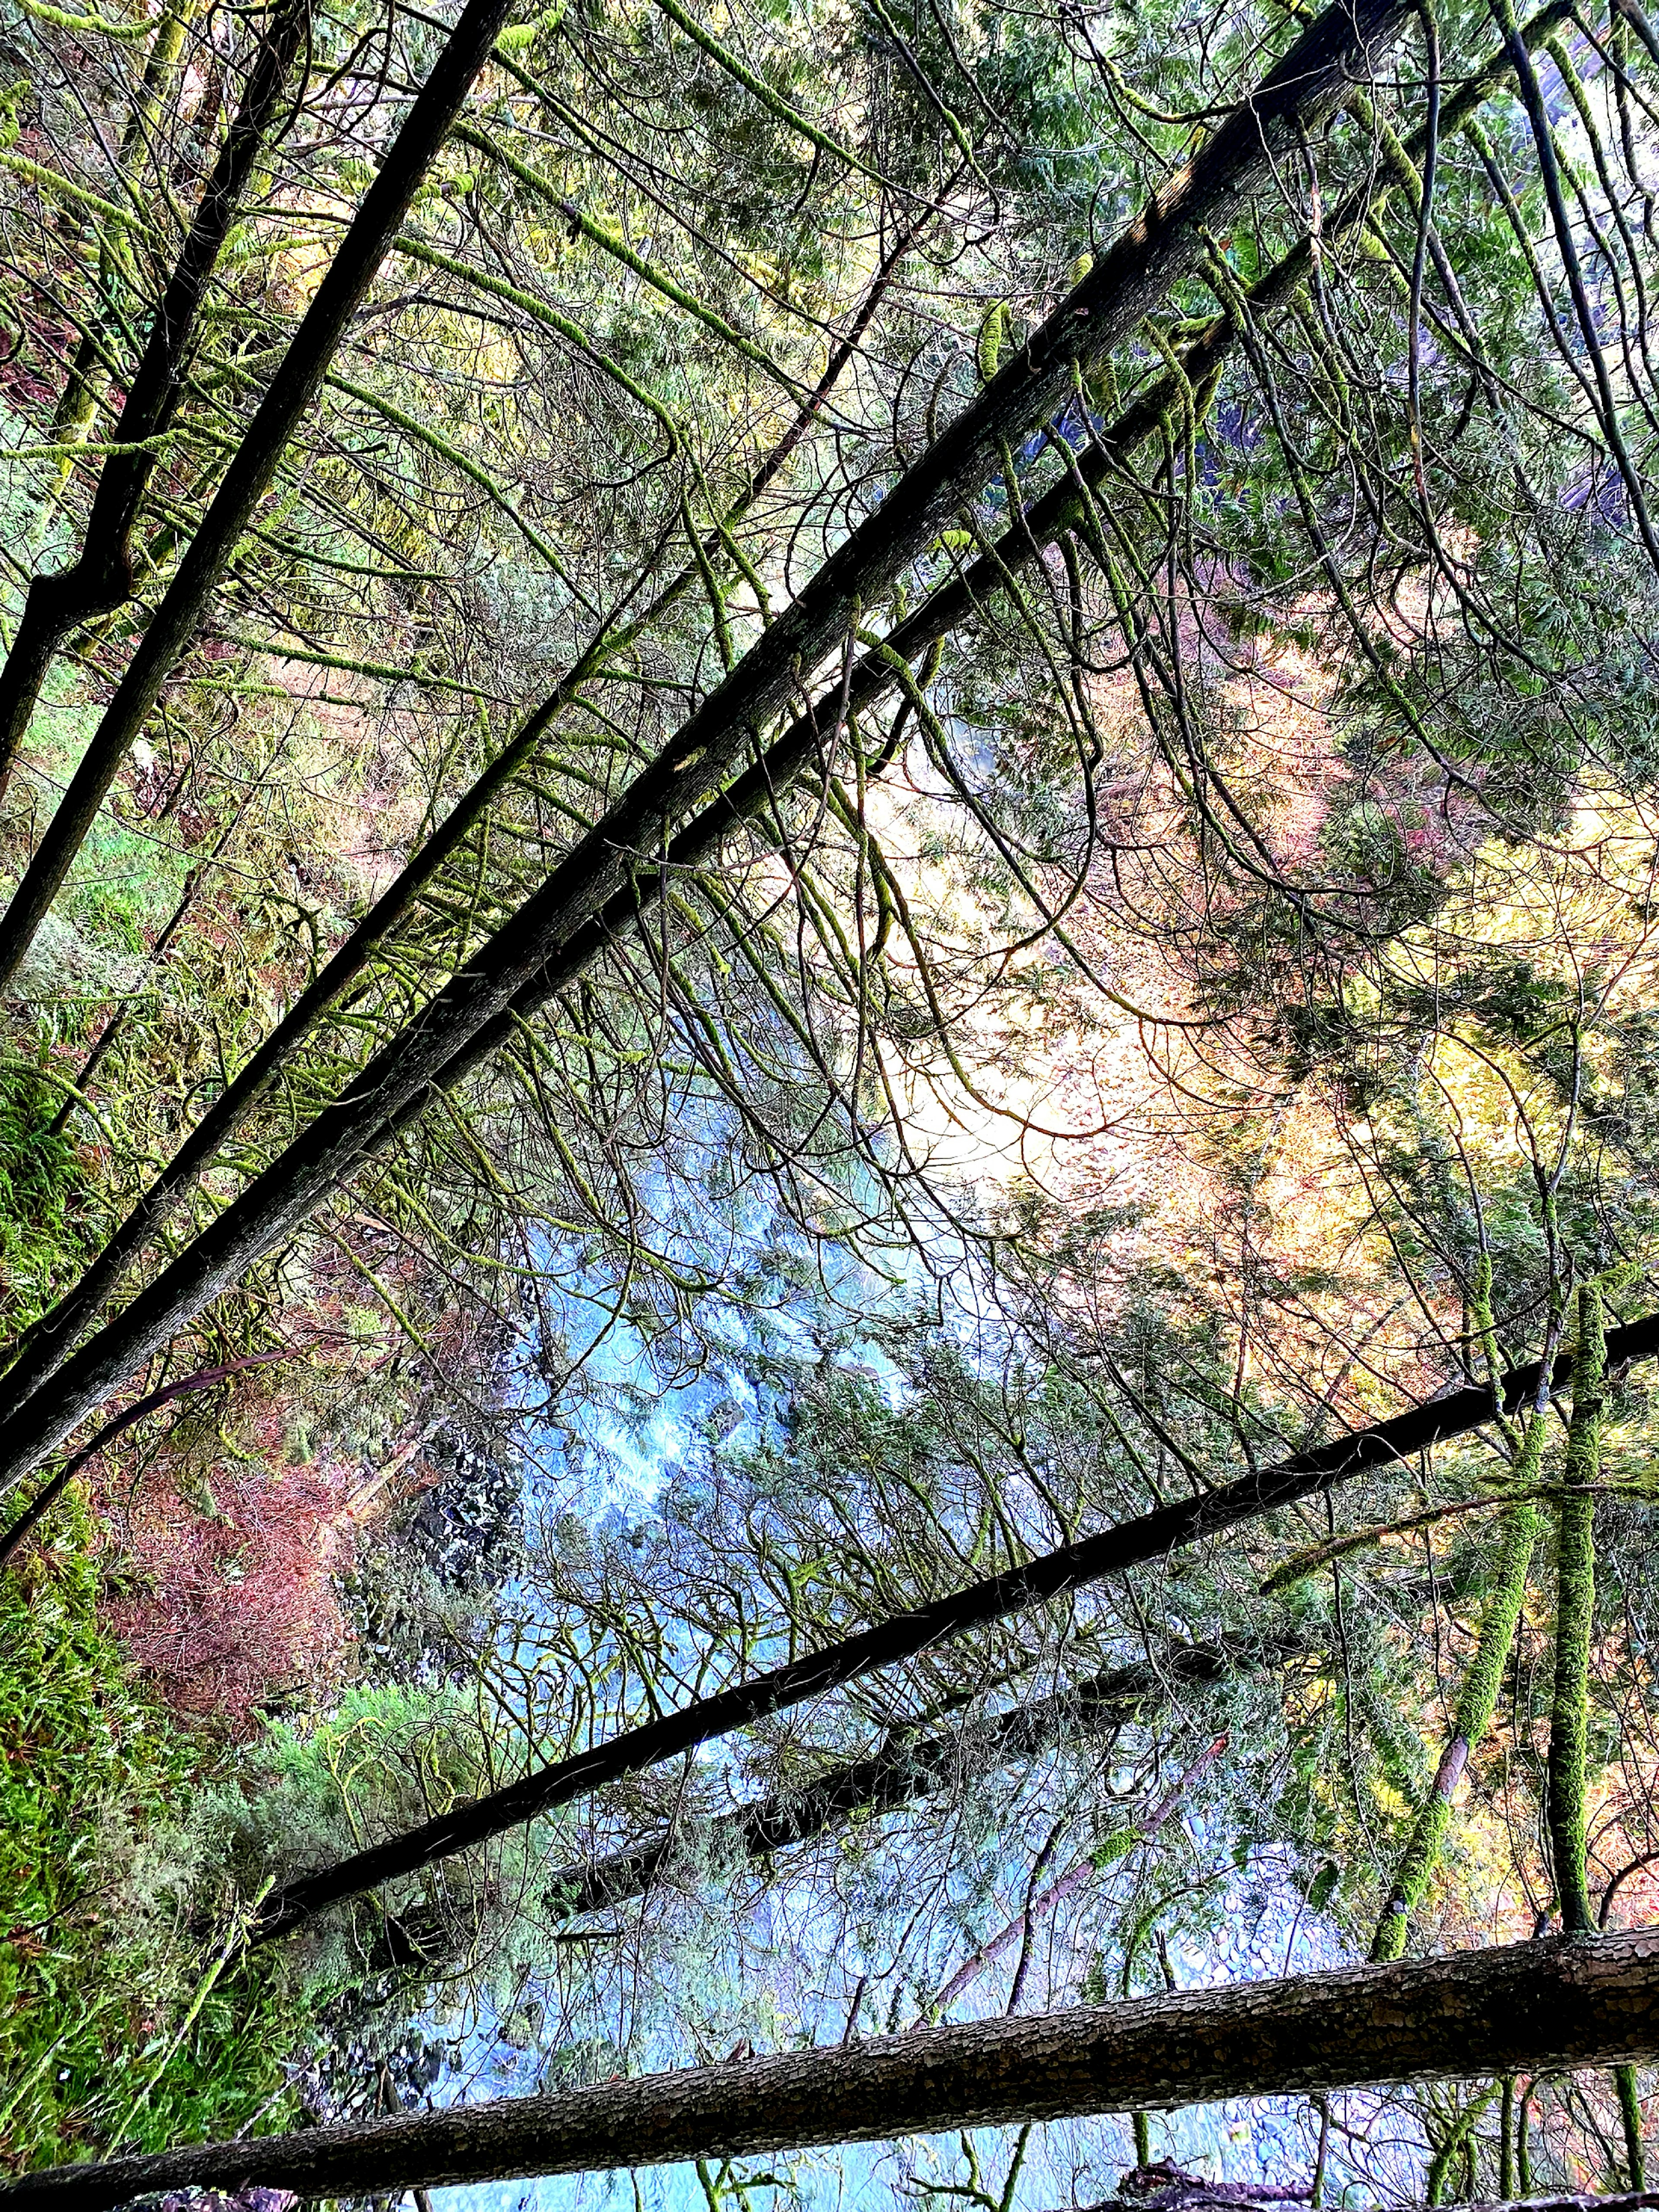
122,2020
1477,1701
42,1190
1575,1608
1630,2113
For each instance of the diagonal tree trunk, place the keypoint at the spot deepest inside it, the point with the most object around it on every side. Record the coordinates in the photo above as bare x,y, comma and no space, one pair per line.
295,384
1477,1701
1550,2005
73,414
454,1029
48,1342
1152,1536
102,578
902,1770
1575,1618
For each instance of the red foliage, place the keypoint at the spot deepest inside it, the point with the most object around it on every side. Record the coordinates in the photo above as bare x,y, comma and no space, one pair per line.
223,1610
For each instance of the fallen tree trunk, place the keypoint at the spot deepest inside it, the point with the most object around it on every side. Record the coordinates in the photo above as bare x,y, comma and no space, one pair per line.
1551,2005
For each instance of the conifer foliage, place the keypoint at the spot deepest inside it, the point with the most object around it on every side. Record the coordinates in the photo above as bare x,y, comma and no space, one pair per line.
828,1183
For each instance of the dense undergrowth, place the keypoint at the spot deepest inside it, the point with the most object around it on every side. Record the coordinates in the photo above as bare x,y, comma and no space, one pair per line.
121,2022
42,1187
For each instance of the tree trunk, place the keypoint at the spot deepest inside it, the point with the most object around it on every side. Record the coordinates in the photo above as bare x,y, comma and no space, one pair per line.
292,389
903,1769
78,402
45,1345
50,1339
1575,1612
1152,1536
1477,1701
1166,242
102,578
1555,2005
48,1342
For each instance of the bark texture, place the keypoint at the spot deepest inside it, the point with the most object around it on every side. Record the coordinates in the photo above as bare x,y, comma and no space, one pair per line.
1477,1701
1556,2004
1167,242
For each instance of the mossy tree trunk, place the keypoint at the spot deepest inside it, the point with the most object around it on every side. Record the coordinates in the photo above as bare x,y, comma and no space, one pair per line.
1575,1609
1477,1700
1575,1622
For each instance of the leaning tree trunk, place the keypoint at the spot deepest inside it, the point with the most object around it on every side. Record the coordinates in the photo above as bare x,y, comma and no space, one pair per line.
1575,1612
1152,1536
1545,2006
879,671
297,381
101,579
906,1768
43,1347
1164,244
1477,1701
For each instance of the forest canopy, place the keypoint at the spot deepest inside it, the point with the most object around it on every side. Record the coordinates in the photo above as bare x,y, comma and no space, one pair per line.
829,1183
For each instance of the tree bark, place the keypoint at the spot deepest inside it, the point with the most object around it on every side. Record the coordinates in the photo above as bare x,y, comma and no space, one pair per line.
1476,1697
1164,243
1152,1536
902,1770
102,578
1556,2004
1477,1701
298,378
